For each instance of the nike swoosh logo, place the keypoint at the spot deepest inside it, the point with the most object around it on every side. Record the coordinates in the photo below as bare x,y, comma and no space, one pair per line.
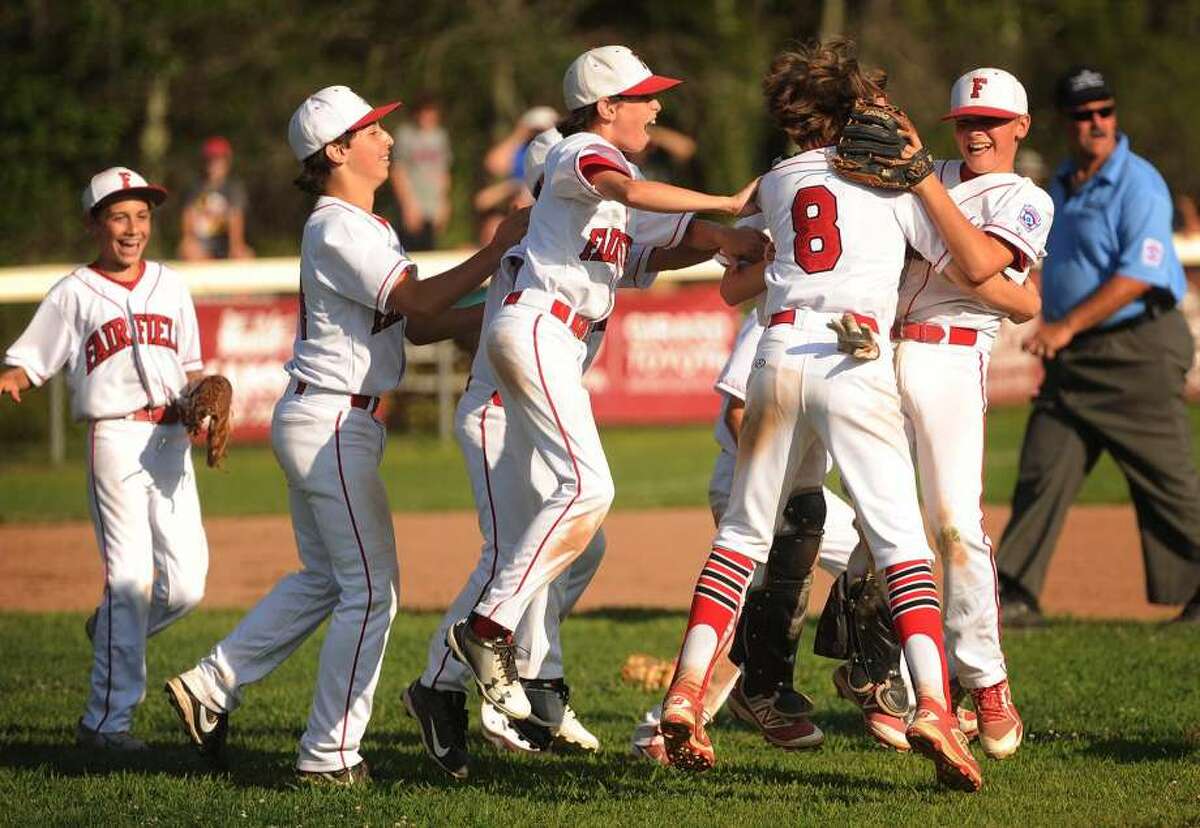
208,723
438,750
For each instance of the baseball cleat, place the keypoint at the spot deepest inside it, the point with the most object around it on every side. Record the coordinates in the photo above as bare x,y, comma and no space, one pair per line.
935,735
759,712
968,721
117,740
354,775
549,708
882,726
206,728
1000,726
682,726
442,718
572,735
89,626
492,661
520,736
648,742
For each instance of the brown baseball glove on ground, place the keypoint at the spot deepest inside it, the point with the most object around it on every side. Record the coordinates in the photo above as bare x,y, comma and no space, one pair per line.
206,406
647,671
872,149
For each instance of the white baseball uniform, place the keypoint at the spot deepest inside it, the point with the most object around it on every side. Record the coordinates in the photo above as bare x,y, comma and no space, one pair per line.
576,253
127,348
349,349
942,357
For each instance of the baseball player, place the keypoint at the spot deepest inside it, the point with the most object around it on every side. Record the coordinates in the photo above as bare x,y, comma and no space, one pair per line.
766,640
839,253
945,333
575,253
359,298
125,329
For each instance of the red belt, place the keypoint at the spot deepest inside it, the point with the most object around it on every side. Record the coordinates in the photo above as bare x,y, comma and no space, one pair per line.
163,415
787,317
362,401
920,332
496,401
580,326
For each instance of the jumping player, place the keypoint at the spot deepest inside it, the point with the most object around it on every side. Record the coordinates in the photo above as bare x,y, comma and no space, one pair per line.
839,253
359,298
125,329
579,238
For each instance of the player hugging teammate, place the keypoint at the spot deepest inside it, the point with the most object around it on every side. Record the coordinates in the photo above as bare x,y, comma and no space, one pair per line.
125,330
819,372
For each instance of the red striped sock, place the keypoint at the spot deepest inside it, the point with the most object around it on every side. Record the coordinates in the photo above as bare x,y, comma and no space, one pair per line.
917,618
716,603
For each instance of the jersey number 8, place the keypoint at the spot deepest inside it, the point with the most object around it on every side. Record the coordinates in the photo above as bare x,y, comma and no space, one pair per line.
818,244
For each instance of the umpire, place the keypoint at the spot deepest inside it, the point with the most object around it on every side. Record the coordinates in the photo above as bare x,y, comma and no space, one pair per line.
1115,348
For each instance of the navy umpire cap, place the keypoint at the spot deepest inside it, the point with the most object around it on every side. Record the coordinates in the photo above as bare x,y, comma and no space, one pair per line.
1080,85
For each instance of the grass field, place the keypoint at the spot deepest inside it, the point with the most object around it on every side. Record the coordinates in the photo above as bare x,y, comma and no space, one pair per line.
652,466
1113,738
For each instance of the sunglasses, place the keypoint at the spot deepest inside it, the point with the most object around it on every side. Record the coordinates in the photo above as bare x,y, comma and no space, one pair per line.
1086,114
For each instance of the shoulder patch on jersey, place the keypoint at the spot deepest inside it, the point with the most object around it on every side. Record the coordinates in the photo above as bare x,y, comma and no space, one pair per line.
1153,252
1030,218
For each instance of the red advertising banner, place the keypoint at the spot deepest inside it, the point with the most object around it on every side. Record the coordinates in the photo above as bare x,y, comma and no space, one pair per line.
662,351
249,341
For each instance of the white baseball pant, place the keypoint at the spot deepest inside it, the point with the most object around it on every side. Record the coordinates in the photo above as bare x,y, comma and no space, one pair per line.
943,393
330,454
146,513
538,363
509,483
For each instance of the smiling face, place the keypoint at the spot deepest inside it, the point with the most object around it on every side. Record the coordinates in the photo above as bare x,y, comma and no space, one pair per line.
989,144
121,230
368,157
1092,129
626,119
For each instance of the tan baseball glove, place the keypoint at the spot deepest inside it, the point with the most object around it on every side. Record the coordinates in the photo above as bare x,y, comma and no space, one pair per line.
647,671
854,338
872,150
205,406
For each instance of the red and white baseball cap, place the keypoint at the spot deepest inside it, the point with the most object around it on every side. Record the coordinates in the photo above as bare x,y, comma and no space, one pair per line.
534,164
328,114
986,92
607,71
117,183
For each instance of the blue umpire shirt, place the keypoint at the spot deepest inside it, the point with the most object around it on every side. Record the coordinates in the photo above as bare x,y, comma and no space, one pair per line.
1119,221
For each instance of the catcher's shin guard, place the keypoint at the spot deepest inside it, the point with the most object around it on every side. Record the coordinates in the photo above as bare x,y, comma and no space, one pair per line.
768,633
856,626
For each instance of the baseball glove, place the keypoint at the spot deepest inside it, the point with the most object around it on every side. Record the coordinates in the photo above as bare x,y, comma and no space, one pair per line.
647,672
871,150
854,338
206,406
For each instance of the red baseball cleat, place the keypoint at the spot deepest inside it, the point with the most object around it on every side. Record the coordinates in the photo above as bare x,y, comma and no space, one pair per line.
682,727
935,735
1000,726
759,712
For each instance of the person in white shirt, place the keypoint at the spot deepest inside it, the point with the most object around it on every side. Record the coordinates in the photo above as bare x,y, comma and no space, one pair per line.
359,299
125,331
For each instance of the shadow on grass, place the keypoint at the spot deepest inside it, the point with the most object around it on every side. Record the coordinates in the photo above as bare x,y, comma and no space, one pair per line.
1133,750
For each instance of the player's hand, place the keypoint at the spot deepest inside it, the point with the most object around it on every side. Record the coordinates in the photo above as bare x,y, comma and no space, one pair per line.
512,229
1049,339
909,132
742,203
744,244
13,382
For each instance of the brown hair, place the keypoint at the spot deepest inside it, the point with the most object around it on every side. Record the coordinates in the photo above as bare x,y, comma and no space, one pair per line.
577,120
810,88
316,169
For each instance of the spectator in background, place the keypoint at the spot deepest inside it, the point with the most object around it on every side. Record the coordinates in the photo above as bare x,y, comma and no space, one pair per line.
506,158
1187,217
1115,349
667,156
1030,164
214,210
420,177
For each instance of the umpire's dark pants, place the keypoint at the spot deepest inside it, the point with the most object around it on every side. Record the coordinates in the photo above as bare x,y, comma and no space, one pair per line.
1119,391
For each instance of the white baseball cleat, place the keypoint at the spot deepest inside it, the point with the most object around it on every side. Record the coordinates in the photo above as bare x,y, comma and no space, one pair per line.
207,729
572,734
647,741
502,732
493,663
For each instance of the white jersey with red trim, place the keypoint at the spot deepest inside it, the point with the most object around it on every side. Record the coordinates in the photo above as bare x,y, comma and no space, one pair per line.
346,339
578,241
1005,205
731,382
838,246
126,346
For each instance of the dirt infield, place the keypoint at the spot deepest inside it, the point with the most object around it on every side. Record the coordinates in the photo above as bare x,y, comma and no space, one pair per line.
652,561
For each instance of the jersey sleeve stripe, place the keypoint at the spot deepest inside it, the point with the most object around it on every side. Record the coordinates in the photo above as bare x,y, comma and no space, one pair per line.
591,165
381,296
685,221
1007,235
